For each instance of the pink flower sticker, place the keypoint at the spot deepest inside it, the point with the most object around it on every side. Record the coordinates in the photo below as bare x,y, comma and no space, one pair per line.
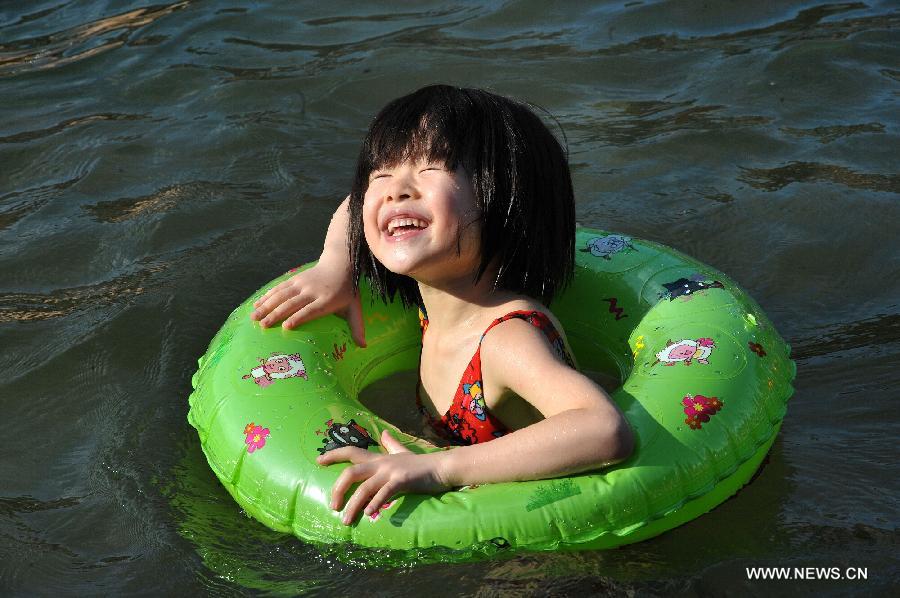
256,436
699,408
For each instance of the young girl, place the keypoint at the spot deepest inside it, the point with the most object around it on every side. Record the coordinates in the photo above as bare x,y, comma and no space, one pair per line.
462,204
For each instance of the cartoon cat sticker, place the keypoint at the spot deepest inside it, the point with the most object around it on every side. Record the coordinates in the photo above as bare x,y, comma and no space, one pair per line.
349,434
686,287
606,247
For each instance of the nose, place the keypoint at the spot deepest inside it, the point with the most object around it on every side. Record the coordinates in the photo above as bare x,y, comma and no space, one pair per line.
401,187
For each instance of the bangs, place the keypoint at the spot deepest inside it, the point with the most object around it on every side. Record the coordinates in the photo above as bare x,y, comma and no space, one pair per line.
422,129
392,146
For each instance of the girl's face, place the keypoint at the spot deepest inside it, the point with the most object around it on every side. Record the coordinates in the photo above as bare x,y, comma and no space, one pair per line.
420,220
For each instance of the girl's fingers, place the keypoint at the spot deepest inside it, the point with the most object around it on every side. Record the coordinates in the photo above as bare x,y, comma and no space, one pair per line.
282,303
262,299
384,494
275,297
310,311
362,496
266,303
353,454
355,322
283,285
284,309
269,293
392,445
348,477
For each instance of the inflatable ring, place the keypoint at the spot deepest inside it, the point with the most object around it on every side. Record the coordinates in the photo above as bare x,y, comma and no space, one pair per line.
706,381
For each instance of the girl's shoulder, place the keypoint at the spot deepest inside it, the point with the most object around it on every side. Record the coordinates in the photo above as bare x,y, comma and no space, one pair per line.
522,354
528,311
526,325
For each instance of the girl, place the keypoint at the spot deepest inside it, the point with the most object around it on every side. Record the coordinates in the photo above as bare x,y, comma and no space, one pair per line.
462,204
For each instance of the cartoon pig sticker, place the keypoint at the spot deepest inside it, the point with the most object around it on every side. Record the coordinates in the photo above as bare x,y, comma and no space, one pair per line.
686,351
277,367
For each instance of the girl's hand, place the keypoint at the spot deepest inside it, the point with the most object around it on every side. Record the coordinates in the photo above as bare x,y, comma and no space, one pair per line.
324,289
382,476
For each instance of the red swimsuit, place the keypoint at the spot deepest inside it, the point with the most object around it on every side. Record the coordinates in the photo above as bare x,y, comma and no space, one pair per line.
468,420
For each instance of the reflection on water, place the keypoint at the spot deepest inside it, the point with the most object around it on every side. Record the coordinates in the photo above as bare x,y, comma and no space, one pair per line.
808,25
83,41
71,122
883,330
17,204
23,307
829,134
773,179
207,518
162,200
160,161
626,123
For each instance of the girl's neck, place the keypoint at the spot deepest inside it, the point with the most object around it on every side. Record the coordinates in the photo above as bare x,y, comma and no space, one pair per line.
460,303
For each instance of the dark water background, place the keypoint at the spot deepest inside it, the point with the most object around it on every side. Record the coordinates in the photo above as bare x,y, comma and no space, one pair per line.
159,162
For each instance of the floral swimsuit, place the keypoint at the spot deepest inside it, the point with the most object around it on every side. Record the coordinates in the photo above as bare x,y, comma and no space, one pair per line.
468,420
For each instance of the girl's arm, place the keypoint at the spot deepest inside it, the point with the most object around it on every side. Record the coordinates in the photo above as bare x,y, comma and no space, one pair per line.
583,430
323,289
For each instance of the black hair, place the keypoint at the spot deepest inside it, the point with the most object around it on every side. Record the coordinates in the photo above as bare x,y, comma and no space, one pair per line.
519,173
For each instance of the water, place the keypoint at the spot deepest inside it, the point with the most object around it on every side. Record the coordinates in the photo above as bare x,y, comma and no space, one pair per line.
158,162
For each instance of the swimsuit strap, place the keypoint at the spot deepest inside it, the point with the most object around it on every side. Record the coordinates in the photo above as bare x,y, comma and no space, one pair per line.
540,320
468,420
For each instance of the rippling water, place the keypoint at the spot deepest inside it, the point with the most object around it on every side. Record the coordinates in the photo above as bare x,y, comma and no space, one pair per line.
158,162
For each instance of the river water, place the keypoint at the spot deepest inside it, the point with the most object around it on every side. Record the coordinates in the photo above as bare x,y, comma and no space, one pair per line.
159,162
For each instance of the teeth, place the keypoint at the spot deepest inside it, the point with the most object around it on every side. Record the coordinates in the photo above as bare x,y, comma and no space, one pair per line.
399,222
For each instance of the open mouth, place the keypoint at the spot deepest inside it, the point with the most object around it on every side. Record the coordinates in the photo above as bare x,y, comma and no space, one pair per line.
397,227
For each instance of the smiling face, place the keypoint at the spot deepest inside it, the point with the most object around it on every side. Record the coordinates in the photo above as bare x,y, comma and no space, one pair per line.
421,220
277,365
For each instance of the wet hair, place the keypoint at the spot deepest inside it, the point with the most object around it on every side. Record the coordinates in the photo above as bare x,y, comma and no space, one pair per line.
519,172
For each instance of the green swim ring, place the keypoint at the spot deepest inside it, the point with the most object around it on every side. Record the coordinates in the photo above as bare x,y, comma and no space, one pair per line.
706,379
